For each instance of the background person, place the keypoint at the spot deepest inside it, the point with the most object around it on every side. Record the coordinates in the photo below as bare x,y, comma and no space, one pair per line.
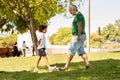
15,50
24,48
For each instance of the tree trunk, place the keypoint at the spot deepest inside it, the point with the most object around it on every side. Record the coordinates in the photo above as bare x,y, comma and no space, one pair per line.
33,35
2,22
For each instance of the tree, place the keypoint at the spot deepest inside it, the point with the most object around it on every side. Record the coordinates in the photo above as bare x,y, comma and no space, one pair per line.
2,21
109,32
27,14
9,40
62,37
117,24
96,40
99,31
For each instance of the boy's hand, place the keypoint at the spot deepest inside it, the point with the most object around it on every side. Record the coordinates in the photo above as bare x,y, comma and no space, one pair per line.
38,42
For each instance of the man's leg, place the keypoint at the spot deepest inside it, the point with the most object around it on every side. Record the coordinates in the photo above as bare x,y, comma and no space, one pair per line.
81,50
24,52
70,57
72,50
85,58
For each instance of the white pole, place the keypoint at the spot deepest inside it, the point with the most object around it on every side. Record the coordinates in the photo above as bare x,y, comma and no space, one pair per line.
88,36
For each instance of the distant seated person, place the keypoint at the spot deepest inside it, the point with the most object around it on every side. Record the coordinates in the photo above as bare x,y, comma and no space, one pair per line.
15,50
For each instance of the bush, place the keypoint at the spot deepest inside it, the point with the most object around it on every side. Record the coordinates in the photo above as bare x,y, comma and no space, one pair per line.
9,40
111,46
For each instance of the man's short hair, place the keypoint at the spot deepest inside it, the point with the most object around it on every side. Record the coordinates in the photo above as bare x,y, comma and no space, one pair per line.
74,7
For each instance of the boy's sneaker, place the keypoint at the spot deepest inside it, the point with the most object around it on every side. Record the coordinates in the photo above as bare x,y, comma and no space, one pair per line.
36,70
51,69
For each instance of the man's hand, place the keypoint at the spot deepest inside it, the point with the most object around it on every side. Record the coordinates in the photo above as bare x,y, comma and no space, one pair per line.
78,38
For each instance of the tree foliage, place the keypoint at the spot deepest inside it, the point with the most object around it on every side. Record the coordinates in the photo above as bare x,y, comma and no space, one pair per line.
99,31
20,11
117,24
9,40
96,40
28,14
2,22
109,32
62,37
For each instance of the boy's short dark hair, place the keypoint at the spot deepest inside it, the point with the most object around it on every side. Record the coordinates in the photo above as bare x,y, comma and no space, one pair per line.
23,41
42,27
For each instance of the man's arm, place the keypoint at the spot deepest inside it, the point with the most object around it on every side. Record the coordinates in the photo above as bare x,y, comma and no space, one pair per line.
79,30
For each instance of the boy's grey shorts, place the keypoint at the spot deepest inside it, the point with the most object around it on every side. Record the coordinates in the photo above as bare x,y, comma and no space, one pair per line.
41,52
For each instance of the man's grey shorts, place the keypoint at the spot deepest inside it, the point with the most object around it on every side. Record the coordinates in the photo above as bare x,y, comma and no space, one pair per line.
77,46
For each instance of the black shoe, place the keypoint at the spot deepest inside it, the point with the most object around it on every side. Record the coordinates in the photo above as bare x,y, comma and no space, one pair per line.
87,67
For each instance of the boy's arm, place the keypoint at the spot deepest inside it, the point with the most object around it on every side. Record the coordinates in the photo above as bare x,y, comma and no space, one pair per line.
38,42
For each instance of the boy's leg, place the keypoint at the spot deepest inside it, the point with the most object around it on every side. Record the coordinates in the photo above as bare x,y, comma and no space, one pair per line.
46,61
36,66
38,60
50,68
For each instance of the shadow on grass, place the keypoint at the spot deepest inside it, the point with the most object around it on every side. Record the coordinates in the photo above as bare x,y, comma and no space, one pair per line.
115,51
100,70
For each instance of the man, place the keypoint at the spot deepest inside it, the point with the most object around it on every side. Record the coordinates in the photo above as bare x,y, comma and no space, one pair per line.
78,37
24,48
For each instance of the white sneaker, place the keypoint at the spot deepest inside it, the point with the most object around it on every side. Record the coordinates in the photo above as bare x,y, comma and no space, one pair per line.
51,69
36,70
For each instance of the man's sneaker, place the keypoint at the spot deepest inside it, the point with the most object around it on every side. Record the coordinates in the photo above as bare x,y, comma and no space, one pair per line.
36,70
63,68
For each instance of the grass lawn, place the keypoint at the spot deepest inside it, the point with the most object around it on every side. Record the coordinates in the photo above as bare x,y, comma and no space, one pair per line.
105,66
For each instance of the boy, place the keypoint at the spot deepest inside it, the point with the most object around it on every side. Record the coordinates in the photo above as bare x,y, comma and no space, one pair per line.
41,43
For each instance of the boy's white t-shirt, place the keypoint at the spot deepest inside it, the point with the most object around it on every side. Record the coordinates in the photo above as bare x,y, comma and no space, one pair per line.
41,36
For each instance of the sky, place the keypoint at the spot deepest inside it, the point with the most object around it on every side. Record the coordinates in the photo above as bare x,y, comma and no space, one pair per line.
103,12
